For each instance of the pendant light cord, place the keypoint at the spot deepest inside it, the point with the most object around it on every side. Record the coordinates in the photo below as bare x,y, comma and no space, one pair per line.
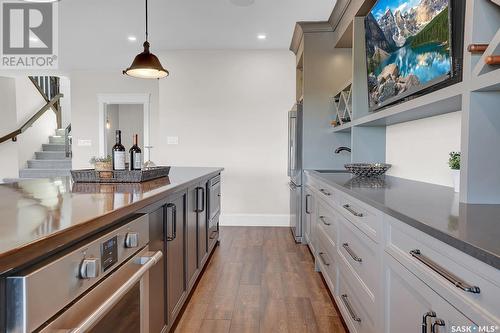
146,20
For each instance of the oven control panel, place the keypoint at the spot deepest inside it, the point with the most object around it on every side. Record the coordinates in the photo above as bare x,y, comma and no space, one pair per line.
109,253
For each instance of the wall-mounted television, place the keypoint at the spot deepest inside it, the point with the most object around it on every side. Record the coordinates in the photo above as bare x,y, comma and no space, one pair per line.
412,47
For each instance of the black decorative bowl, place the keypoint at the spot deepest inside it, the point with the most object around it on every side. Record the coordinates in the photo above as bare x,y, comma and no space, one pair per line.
367,169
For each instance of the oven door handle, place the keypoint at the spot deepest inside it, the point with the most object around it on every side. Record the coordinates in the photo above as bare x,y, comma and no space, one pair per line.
146,262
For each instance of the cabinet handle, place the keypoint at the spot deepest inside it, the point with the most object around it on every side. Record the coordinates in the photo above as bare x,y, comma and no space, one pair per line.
174,221
437,322
325,192
323,219
456,281
323,259
351,253
307,203
352,211
212,234
428,314
349,309
198,209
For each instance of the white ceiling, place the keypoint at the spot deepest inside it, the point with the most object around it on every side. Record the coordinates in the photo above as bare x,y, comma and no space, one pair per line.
93,31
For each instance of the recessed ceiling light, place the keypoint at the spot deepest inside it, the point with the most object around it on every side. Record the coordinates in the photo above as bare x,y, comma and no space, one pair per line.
261,36
132,38
34,39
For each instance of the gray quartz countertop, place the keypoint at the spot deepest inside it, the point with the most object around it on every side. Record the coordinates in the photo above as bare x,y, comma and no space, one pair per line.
432,209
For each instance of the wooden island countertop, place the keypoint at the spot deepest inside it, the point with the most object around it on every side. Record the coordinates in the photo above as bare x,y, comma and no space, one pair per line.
40,216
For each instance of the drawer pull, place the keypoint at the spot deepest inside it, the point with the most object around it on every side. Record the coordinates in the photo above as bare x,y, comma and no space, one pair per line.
457,282
323,219
430,314
307,204
325,192
352,211
351,252
323,259
349,309
437,322
213,234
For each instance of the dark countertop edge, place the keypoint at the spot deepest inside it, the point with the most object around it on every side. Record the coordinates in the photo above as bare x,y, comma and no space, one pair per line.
469,249
41,248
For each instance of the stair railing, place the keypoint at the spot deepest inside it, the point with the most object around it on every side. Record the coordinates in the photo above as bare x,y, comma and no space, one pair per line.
48,106
68,141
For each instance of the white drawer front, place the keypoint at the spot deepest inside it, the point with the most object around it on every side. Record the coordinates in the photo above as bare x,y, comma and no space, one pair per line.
444,269
356,311
408,300
327,220
325,257
360,253
366,218
324,191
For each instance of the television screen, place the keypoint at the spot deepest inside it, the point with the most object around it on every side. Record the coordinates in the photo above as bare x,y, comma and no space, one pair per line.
408,48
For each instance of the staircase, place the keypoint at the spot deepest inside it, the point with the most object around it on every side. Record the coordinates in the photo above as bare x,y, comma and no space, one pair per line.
52,161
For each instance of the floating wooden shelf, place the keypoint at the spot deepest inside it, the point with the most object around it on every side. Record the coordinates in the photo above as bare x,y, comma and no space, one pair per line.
439,102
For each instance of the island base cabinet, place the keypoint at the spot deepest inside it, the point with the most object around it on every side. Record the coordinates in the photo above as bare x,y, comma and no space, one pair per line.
413,307
175,229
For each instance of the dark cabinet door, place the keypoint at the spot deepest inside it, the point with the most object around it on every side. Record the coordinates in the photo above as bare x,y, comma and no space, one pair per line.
201,204
175,237
192,236
157,313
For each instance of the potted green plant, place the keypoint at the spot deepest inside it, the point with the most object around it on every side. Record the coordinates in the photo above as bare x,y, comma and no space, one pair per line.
102,163
454,163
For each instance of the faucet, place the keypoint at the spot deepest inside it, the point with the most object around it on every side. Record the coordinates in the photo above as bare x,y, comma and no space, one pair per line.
339,149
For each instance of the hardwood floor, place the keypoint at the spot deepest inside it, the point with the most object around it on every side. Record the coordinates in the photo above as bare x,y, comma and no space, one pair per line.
259,280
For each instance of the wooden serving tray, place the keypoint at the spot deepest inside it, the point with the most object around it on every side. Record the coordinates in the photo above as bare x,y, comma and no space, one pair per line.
119,176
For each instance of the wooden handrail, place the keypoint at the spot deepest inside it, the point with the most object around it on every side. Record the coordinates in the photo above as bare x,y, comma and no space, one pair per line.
13,135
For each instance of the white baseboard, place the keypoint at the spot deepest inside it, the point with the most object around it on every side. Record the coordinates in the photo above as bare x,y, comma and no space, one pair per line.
255,220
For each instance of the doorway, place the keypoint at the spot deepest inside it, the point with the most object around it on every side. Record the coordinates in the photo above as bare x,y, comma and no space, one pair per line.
129,113
129,119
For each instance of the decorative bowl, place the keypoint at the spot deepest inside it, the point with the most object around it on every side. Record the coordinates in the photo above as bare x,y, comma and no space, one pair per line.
367,169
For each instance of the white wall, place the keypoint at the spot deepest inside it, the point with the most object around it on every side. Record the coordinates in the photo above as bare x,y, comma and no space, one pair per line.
8,149
229,109
419,149
85,86
20,101
29,101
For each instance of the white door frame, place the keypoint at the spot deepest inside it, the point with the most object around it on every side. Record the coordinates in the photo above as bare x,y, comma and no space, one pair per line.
106,99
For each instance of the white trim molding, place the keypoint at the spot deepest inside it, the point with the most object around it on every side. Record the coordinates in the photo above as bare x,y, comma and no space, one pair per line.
105,99
255,220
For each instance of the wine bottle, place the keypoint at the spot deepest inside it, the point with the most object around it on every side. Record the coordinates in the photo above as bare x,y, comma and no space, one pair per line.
135,155
118,153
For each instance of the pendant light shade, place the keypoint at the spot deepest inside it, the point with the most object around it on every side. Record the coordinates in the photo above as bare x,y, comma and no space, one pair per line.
146,65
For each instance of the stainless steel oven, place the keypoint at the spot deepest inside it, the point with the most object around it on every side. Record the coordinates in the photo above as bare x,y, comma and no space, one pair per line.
98,286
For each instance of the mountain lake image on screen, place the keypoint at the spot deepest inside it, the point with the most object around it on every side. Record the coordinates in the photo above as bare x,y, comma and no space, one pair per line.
407,48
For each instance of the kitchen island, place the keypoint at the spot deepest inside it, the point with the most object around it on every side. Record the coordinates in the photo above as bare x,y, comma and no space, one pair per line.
177,216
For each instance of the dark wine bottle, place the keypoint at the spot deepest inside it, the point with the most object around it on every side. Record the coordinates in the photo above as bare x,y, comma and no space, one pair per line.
118,153
135,155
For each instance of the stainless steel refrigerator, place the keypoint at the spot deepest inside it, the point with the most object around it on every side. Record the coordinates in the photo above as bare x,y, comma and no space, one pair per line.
311,145
295,169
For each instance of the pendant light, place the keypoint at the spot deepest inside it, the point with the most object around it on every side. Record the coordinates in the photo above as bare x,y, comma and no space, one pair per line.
146,65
